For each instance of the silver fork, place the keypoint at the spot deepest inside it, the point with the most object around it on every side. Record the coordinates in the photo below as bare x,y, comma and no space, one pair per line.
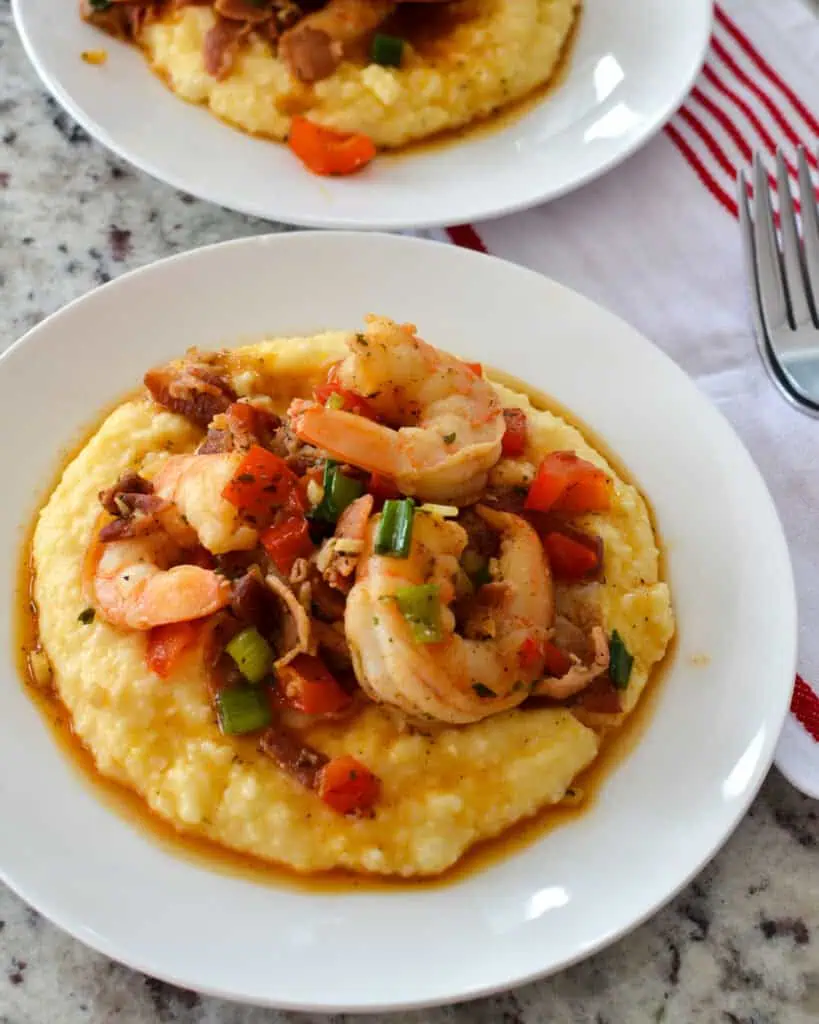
784,279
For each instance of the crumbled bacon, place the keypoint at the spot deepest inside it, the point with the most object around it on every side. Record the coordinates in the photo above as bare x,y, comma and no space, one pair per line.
215,441
244,10
119,19
130,483
192,390
292,755
134,505
221,47
250,597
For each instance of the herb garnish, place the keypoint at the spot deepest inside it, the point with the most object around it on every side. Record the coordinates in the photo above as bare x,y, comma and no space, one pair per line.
620,661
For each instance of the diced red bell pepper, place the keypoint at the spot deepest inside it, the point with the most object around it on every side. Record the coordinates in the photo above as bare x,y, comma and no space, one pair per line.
262,483
307,685
591,493
326,151
476,368
167,644
353,402
566,483
571,559
382,487
531,650
287,540
348,786
558,662
243,414
514,438
316,474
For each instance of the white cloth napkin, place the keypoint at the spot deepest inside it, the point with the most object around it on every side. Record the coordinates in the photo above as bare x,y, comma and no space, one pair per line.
657,241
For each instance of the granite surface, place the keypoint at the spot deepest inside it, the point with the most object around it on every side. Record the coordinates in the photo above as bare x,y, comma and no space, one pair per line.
739,946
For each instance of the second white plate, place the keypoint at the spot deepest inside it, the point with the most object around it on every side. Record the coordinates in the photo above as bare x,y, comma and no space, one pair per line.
633,62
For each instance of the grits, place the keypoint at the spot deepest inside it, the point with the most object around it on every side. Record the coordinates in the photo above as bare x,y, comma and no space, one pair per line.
503,53
441,793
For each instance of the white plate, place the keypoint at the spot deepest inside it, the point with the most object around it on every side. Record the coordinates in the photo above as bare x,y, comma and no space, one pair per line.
633,63
662,813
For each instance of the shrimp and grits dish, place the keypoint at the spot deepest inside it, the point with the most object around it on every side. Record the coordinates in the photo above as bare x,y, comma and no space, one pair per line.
343,601
341,79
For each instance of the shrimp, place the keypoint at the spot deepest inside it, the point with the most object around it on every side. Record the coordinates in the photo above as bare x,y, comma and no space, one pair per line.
194,484
442,422
134,581
133,590
465,678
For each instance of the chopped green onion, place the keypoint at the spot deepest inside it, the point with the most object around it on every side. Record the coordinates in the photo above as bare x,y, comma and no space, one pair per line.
335,401
100,5
339,492
86,616
252,654
344,491
444,511
449,438
620,661
483,691
421,607
476,567
387,51
243,709
394,534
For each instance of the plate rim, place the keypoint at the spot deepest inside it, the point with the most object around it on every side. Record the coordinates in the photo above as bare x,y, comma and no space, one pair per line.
109,948
478,214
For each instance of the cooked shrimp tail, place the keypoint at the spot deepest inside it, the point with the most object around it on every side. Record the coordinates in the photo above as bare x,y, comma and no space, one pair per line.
133,591
347,437
442,423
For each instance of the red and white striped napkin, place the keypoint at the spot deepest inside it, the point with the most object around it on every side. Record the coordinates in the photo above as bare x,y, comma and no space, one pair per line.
657,241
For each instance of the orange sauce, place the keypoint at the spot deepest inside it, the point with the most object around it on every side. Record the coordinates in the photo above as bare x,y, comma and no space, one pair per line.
615,747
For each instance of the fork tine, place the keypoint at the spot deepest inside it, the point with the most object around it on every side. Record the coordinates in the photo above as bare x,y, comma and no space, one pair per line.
773,305
791,256
746,226
810,229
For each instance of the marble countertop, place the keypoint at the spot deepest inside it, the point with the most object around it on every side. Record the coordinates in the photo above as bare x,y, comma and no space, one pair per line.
739,946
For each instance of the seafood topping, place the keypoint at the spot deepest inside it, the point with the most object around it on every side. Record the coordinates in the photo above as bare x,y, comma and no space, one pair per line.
442,424
358,551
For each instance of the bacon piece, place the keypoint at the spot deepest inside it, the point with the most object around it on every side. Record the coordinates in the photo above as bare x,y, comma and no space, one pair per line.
130,483
221,47
191,390
244,10
250,424
292,755
215,441
122,20
315,47
250,598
